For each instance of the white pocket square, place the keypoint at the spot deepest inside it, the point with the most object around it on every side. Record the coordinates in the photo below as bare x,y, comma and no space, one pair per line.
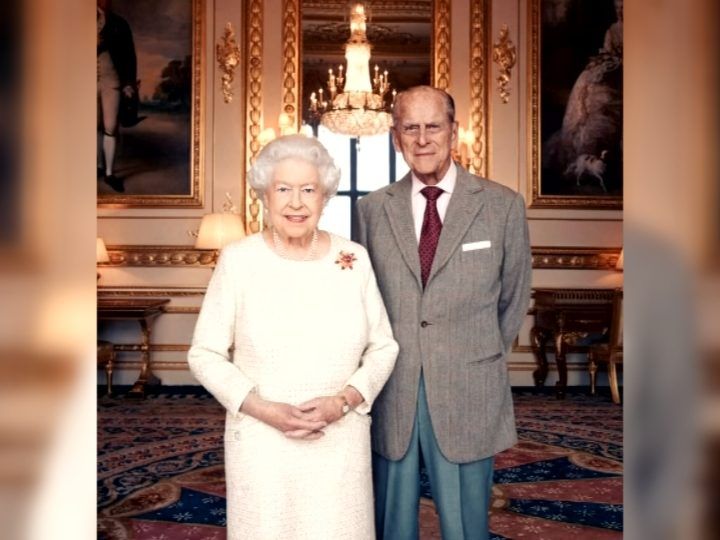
482,244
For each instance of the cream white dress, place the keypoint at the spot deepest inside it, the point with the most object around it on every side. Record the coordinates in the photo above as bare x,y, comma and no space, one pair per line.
300,329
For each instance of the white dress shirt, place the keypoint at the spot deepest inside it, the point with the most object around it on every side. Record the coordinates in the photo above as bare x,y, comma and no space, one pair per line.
447,184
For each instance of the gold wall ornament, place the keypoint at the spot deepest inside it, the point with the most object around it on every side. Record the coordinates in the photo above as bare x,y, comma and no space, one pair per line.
479,19
441,41
228,57
152,256
291,62
144,291
543,257
505,56
574,258
253,81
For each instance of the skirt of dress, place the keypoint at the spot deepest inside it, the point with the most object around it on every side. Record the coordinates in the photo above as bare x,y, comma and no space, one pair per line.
280,488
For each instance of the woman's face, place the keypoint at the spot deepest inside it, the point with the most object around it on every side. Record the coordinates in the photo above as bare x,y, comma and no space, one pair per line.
294,199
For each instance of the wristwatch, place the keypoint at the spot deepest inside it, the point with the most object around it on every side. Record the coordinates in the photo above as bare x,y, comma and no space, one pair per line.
346,405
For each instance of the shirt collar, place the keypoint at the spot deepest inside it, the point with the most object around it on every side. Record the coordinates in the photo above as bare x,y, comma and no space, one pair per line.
447,184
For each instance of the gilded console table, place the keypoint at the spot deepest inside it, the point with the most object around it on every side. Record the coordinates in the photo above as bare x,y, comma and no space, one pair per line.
144,311
569,317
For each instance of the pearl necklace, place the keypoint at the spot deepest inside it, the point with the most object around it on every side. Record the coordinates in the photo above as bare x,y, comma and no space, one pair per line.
281,250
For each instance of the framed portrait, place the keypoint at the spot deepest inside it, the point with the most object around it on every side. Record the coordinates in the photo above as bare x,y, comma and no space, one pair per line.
150,99
575,112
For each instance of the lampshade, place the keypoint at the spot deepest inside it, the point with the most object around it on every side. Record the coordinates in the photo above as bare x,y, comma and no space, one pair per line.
621,260
101,254
218,230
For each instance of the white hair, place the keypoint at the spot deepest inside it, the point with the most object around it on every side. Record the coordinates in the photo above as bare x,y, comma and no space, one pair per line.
301,147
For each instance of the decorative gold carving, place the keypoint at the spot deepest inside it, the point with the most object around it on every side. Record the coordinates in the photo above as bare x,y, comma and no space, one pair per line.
158,365
578,258
533,109
574,258
505,56
142,292
441,44
197,134
135,347
533,139
143,256
253,81
183,310
228,57
479,17
291,61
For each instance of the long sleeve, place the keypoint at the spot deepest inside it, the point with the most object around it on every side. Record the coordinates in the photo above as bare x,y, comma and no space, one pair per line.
209,355
516,273
379,357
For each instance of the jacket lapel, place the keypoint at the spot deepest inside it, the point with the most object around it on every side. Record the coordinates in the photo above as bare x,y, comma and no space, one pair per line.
399,212
465,203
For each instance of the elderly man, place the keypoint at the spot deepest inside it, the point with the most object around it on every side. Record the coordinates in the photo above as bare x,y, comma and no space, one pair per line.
452,258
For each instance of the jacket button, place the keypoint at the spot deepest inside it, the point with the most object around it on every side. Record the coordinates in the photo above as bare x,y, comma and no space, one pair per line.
424,324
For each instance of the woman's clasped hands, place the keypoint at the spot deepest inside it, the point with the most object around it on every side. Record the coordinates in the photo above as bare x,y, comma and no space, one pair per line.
305,421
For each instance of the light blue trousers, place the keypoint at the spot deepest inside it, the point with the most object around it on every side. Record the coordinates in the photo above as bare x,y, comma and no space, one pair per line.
461,492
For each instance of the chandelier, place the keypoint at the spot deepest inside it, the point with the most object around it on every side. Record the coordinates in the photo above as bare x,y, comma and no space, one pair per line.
355,106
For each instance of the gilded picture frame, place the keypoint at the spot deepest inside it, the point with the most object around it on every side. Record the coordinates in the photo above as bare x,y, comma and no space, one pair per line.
575,104
159,162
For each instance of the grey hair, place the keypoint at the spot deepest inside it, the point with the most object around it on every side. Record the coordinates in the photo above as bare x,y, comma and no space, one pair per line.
447,99
298,147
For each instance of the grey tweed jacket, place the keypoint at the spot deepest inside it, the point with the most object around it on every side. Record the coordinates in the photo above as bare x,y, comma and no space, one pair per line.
460,328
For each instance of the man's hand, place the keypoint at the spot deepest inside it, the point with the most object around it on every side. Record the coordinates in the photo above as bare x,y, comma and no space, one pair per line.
128,91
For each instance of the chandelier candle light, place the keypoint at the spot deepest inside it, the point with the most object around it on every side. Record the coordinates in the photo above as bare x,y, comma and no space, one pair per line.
355,107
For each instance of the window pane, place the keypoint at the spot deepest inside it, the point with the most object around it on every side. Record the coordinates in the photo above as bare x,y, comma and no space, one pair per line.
339,148
373,162
401,168
336,216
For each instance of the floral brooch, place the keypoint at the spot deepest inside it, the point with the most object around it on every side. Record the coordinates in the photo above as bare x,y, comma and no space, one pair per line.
345,260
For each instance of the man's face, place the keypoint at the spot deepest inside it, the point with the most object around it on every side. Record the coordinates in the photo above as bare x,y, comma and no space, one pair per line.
425,135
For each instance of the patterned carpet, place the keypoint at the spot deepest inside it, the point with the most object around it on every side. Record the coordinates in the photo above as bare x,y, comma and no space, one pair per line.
160,470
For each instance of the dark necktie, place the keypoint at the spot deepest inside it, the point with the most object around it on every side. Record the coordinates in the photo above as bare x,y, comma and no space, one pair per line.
430,232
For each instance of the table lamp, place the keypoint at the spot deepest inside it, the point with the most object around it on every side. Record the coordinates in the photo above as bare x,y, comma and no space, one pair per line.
219,229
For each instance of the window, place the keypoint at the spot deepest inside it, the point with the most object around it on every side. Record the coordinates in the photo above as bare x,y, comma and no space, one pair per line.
365,167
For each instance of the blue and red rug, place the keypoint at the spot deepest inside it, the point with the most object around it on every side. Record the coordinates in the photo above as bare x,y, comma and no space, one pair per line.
160,470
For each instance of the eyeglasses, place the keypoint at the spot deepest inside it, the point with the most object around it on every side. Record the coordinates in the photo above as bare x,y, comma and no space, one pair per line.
414,130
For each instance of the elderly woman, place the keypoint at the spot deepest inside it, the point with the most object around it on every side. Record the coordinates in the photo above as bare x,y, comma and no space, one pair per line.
294,341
